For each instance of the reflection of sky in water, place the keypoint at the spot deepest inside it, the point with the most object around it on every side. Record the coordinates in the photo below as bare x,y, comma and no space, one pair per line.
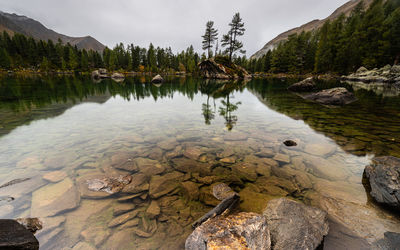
93,132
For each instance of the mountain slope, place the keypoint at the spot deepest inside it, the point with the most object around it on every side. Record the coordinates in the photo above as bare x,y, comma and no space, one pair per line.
13,23
313,25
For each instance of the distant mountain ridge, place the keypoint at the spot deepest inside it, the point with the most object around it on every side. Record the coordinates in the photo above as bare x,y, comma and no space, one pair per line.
13,23
346,9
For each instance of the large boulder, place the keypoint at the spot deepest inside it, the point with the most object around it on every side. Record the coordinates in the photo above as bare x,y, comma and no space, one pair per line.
157,79
335,96
294,225
15,236
383,176
221,68
239,231
306,85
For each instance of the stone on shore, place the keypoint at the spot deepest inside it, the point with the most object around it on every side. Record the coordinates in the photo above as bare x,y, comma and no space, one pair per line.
383,176
294,225
239,231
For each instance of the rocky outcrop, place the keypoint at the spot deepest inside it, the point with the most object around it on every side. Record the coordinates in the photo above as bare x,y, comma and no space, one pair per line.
335,96
388,74
221,69
157,79
100,74
294,225
239,231
383,177
306,85
15,236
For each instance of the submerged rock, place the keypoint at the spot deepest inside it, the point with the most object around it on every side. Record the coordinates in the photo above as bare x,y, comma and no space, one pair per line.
306,85
335,96
56,198
294,225
383,176
14,236
290,143
157,79
239,231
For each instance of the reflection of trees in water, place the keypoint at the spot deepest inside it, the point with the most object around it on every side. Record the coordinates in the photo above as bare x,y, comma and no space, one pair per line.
221,89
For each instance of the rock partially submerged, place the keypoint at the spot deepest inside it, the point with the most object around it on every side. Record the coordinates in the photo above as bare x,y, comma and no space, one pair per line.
294,225
240,231
100,74
157,79
32,224
335,96
15,236
306,85
383,176
388,74
118,77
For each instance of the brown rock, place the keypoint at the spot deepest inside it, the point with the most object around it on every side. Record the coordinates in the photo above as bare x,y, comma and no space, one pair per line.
55,176
190,190
162,185
153,210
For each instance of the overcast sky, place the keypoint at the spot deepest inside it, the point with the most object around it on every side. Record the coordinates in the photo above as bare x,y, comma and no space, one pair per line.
175,23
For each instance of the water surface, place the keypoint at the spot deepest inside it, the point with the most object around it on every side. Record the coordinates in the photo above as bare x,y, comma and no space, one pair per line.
185,135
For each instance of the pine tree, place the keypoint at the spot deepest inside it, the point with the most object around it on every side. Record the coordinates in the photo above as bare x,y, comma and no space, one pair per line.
230,40
209,37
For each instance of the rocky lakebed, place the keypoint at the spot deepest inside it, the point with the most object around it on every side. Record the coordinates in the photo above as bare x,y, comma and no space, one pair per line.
137,166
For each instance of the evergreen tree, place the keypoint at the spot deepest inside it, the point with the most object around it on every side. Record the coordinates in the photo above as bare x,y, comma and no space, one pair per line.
209,38
230,40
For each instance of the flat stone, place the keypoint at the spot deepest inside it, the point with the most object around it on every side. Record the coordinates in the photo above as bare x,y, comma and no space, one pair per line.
239,231
123,208
335,96
123,161
190,190
236,136
186,165
98,186
325,169
245,171
193,153
15,236
323,149
222,191
168,145
122,218
95,234
228,160
153,210
55,176
306,85
149,167
294,225
53,199
131,223
282,158
162,185
139,183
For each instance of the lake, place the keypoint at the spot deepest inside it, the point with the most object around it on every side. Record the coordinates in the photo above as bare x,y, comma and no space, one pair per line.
162,147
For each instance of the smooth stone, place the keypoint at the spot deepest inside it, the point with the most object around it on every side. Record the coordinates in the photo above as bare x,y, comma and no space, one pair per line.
95,234
168,145
131,223
190,190
15,236
294,225
157,79
253,201
383,176
55,198
325,169
57,162
123,208
239,231
123,161
129,197
123,218
153,210
282,158
206,196
323,149
186,165
149,167
228,160
162,185
55,176
335,96
245,171
306,85
290,143
265,153
139,183
193,153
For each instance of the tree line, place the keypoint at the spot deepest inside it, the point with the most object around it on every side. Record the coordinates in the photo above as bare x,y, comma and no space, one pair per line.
369,38
22,52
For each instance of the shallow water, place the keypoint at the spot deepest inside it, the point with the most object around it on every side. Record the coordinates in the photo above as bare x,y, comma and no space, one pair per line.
182,137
